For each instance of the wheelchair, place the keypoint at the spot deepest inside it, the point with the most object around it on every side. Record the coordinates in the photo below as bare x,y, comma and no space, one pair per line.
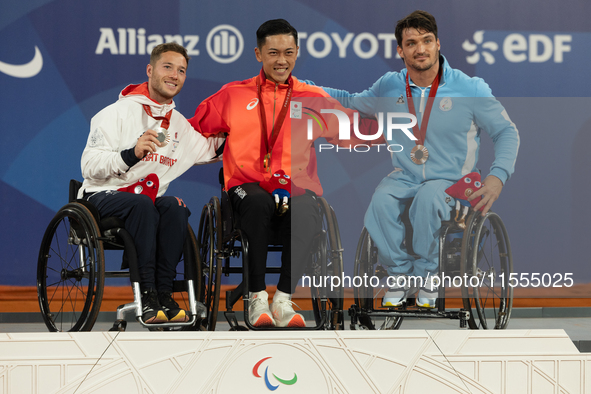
222,243
479,253
71,270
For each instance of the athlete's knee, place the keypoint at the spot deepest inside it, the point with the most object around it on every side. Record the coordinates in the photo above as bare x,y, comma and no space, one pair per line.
170,205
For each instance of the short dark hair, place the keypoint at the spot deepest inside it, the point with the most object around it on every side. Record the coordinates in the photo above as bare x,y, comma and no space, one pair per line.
275,27
167,47
420,20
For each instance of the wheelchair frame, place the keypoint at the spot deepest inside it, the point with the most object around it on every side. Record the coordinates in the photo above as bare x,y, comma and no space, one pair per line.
468,258
71,265
220,241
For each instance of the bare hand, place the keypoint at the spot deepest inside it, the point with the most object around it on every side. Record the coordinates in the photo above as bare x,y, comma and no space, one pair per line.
490,191
147,143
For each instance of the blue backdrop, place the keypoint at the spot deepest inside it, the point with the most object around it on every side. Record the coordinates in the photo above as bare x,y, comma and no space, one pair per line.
62,61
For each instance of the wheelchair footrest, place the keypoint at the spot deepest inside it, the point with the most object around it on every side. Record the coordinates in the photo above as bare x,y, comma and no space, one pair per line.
232,321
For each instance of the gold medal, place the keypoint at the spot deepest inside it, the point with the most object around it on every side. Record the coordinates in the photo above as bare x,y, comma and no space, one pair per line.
267,162
419,154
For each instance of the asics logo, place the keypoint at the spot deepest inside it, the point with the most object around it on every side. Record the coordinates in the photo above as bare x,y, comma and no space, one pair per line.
27,70
253,103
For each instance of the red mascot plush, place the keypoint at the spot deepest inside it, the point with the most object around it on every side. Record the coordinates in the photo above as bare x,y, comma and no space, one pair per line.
461,190
148,186
280,187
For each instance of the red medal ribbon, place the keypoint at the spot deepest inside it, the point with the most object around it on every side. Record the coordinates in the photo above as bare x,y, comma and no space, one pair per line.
278,123
165,119
421,133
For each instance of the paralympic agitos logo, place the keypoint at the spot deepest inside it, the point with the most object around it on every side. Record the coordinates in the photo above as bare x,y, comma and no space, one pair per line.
271,386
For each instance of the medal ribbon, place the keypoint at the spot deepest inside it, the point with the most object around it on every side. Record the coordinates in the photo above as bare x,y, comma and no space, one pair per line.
421,133
165,119
278,123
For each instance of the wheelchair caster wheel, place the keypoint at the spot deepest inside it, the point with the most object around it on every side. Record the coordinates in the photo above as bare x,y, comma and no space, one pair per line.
119,325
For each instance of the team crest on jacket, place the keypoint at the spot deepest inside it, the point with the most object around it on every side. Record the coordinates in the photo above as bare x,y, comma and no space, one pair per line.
446,104
96,138
296,110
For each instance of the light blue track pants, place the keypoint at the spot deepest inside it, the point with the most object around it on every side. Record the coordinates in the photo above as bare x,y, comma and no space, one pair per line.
430,206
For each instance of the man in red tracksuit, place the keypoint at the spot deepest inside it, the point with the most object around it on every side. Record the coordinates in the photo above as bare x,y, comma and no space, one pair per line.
258,115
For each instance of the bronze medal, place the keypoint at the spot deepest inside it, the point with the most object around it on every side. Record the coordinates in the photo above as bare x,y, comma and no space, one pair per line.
419,154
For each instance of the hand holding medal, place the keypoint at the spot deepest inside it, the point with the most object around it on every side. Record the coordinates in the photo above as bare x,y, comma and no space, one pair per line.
147,143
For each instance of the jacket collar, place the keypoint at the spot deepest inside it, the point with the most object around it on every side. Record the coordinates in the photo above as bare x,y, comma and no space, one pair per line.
140,94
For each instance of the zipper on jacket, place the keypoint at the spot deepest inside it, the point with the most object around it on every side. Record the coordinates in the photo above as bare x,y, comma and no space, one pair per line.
274,103
422,104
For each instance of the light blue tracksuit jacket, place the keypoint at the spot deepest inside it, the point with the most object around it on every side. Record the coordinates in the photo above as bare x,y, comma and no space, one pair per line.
462,108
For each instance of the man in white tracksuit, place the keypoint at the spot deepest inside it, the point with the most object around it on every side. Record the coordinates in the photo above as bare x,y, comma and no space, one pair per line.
448,139
127,169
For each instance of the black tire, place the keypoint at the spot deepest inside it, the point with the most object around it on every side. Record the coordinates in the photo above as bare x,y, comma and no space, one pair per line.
209,236
70,270
369,298
329,253
486,254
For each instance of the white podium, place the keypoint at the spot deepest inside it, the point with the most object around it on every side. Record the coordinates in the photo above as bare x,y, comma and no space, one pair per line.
359,362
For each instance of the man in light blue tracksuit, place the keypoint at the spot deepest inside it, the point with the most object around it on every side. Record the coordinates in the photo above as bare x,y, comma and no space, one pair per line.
460,109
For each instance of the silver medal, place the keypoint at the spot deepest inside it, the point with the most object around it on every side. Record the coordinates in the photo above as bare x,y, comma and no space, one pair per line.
163,136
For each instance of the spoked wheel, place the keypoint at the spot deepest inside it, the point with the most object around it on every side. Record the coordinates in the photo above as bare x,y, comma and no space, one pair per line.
486,255
70,270
190,257
209,236
329,252
368,296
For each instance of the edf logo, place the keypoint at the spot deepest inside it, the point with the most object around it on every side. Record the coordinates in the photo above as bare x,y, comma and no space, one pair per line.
517,48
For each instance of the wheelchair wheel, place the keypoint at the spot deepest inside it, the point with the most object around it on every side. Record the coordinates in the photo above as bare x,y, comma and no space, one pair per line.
329,253
190,256
368,296
486,255
209,236
70,270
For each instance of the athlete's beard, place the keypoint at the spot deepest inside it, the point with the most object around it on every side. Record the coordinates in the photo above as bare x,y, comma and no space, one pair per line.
423,67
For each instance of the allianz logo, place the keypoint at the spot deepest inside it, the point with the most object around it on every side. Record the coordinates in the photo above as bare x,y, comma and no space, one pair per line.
517,48
224,43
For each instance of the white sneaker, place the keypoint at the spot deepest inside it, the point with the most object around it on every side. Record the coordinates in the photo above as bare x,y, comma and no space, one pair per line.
283,312
259,314
428,292
397,293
